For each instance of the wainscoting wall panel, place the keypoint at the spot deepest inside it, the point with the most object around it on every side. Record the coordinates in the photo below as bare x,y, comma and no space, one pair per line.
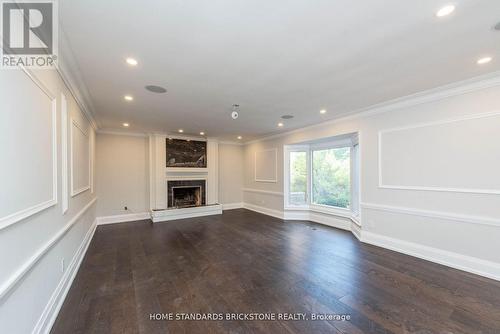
64,155
456,155
80,158
266,165
29,161
40,253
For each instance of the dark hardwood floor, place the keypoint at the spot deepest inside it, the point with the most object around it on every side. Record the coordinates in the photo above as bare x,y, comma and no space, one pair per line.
244,262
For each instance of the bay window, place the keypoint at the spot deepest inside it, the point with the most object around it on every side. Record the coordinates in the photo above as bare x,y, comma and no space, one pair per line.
331,177
323,175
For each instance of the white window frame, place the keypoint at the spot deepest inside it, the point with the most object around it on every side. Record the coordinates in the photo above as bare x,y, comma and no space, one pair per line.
353,144
287,150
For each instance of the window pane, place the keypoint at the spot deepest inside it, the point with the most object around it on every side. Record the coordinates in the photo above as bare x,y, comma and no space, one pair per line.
331,179
298,178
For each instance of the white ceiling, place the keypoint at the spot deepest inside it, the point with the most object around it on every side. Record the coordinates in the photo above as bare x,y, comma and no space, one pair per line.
271,57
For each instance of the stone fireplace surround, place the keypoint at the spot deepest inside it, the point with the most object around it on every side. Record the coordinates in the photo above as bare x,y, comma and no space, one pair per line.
160,176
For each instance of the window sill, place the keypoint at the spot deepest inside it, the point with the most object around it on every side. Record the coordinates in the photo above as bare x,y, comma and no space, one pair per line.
346,213
297,208
338,212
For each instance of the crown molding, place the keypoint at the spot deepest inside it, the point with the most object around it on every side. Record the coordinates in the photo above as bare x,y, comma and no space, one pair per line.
427,96
121,133
70,73
223,142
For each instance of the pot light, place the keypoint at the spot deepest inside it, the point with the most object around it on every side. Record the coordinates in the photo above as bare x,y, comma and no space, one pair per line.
280,124
202,133
181,131
445,11
126,125
240,137
128,97
131,61
322,111
484,60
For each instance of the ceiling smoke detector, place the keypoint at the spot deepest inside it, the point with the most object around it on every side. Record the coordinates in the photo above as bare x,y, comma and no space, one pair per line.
156,89
234,113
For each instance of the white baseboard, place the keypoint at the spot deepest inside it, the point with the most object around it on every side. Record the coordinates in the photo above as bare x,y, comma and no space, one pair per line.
356,230
263,210
331,220
454,260
123,218
49,315
231,206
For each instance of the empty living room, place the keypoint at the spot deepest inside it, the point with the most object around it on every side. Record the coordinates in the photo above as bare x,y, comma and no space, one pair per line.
237,166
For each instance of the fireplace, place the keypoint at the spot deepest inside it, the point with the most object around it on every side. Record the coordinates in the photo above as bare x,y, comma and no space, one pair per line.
186,193
186,196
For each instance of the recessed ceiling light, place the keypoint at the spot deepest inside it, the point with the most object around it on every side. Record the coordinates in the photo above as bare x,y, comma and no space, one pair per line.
126,125
202,133
181,131
445,11
484,60
131,61
240,137
322,111
287,116
155,89
280,124
128,97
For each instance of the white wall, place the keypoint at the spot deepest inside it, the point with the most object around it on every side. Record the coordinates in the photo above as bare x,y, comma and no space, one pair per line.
122,174
455,220
36,233
230,174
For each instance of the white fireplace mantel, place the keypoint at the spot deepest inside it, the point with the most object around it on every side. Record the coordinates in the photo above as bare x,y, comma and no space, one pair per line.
160,174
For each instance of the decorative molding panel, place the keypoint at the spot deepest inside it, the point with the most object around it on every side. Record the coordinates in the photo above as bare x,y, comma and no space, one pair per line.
64,154
441,156
266,165
92,160
32,160
79,137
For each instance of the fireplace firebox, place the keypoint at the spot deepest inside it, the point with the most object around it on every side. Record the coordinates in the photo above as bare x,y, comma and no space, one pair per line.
186,193
186,196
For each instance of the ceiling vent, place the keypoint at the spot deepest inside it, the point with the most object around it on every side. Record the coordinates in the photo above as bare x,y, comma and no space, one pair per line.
287,116
156,89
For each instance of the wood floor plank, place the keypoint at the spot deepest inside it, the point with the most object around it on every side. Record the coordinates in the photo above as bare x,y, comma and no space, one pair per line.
243,262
